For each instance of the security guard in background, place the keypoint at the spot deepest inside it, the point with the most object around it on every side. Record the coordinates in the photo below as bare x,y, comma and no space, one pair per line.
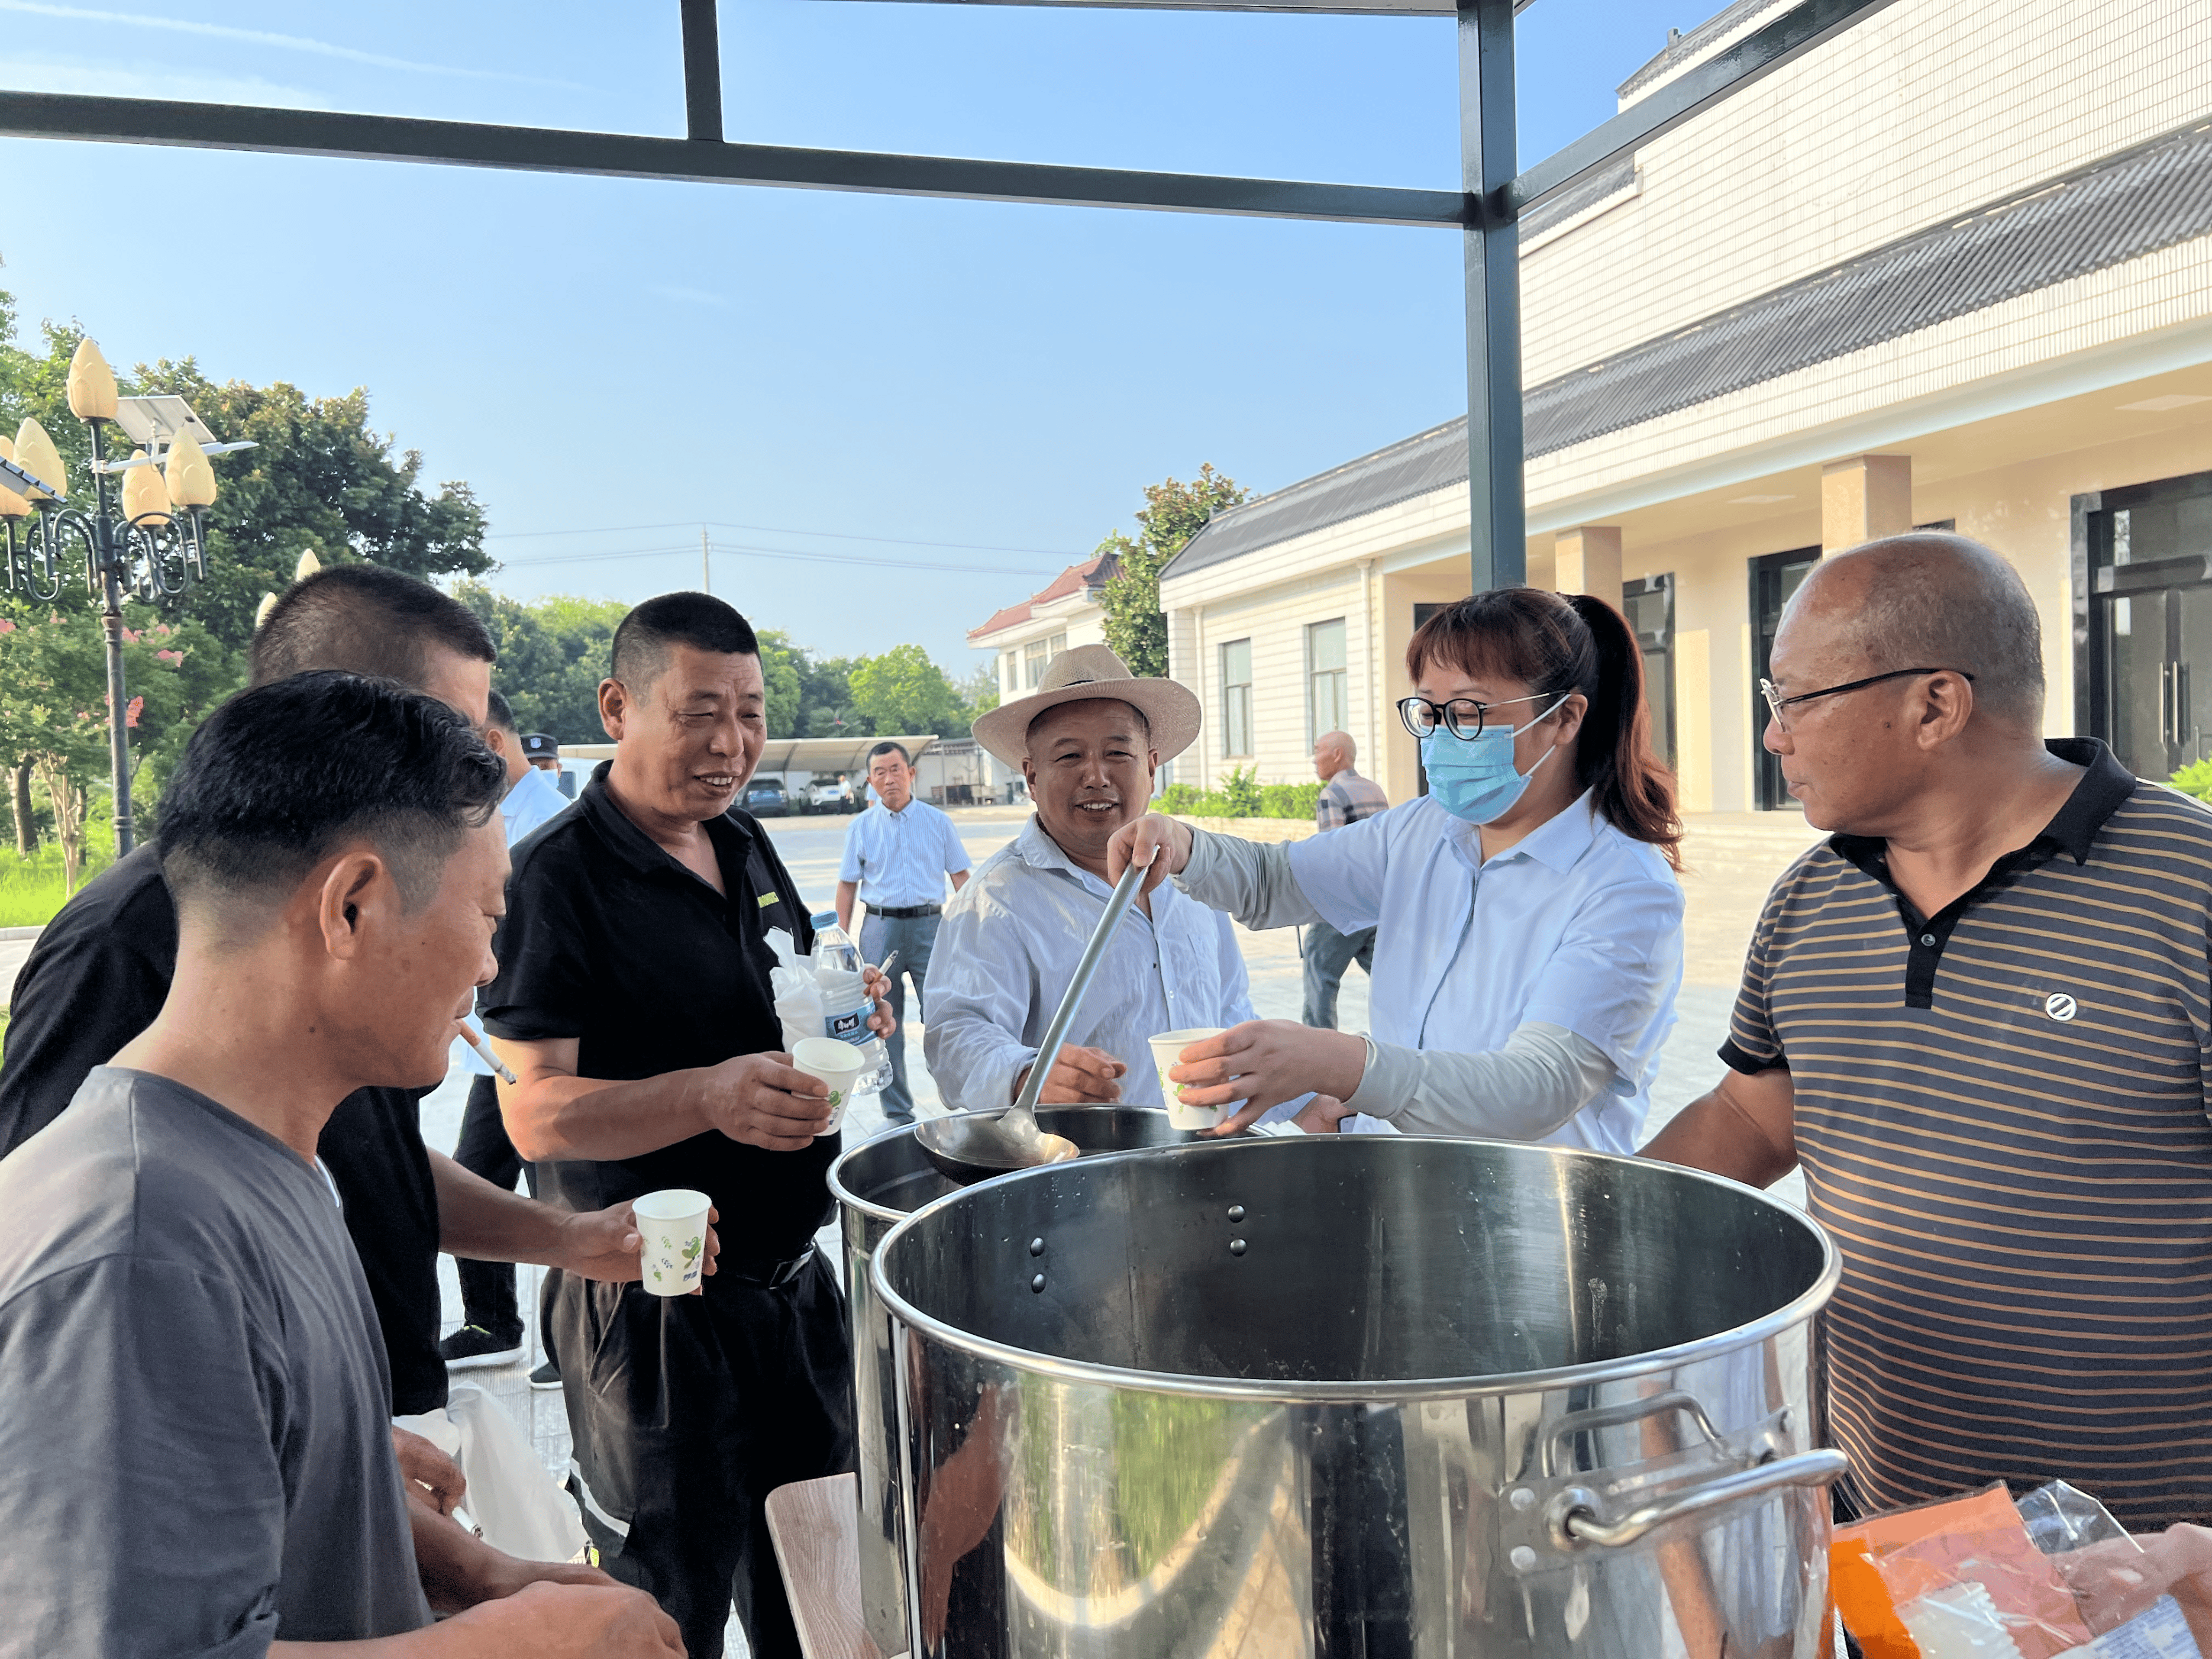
633,1003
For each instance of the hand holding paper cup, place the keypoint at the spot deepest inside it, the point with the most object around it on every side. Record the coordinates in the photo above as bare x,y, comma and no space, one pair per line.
1167,1050
840,1065
672,1226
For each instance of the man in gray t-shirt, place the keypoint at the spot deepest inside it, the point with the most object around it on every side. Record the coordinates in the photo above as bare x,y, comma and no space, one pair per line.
194,1455
154,1238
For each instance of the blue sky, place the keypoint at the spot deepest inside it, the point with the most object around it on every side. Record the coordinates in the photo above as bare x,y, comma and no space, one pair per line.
844,375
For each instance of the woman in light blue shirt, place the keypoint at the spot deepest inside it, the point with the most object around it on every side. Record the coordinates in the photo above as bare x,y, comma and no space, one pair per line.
1528,941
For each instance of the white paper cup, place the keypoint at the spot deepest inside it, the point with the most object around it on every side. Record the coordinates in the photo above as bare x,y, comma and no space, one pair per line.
839,1063
673,1225
1167,1049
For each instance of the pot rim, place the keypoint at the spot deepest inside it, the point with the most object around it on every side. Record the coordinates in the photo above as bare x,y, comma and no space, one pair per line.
1798,1311
852,1200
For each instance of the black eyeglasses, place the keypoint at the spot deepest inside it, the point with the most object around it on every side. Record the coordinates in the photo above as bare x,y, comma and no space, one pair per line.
1776,703
1461,716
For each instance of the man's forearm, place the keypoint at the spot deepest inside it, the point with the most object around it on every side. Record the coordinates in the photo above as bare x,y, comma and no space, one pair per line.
1714,1133
848,893
477,1220
455,1565
556,1117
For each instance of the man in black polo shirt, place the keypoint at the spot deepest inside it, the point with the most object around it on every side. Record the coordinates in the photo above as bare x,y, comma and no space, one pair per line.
1979,1015
633,1003
100,969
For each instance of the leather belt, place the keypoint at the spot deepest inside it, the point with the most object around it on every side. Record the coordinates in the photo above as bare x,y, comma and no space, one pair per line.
768,1275
906,912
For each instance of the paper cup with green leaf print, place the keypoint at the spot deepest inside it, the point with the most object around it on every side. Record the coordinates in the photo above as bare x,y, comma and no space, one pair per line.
1167,1051
673,1225
840,1065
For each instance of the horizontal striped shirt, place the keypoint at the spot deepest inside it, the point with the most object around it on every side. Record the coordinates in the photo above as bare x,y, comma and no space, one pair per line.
2001,1111
1348,798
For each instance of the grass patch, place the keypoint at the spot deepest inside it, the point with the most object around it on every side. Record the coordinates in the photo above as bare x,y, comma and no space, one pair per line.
31,888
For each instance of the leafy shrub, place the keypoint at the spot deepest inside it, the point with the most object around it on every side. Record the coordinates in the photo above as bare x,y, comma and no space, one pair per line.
1242,795
2194,779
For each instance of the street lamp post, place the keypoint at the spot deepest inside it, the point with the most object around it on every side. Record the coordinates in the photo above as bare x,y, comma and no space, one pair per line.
154,548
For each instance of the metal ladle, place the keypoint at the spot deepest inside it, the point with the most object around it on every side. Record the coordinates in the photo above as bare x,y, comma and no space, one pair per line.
970,1146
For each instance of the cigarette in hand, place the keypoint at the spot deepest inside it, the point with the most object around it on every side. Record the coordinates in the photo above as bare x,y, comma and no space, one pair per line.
483,1050
885,966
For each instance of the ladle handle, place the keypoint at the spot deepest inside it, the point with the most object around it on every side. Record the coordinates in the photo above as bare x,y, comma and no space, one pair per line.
1125,895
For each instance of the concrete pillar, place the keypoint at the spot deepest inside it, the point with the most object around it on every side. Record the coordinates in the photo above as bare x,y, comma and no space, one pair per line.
1587,560
1864,497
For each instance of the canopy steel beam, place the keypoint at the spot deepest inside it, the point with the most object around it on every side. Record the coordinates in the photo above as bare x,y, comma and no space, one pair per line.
1497,527
703,73
1759,54
623,155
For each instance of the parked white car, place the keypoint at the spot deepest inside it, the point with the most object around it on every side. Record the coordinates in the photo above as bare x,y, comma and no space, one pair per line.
829,798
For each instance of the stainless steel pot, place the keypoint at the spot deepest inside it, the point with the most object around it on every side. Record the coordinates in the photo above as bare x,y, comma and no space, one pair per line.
1362,1396
878,1184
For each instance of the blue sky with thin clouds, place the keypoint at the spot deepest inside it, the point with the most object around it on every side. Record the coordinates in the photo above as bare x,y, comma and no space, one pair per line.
899,414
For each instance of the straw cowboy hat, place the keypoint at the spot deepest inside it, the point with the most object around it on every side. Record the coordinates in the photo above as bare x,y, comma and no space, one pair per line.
1084,673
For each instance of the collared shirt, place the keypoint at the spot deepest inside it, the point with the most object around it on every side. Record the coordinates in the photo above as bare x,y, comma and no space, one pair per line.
1006,952
901,858
1576,925
535,798
2001,1113
611,941
1348,798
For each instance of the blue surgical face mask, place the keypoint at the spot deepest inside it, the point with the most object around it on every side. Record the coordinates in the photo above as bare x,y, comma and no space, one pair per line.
1474,781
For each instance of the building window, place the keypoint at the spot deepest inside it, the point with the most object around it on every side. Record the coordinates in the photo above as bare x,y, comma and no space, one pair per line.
1011,679
1328,683
1236,698
1033,661
1053,646
1648,605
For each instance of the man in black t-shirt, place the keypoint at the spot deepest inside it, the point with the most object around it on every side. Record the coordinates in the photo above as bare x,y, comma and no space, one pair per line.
633,1003
100,969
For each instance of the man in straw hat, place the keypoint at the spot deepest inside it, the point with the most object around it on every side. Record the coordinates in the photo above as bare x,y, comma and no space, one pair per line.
1089,741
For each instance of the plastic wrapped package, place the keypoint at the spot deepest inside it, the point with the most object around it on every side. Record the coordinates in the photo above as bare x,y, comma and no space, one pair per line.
1981,1577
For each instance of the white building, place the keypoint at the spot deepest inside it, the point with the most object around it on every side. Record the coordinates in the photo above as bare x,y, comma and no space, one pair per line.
1952,267
1027,635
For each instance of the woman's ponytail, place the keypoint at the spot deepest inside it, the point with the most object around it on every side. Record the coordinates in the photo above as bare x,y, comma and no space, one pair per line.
1630,786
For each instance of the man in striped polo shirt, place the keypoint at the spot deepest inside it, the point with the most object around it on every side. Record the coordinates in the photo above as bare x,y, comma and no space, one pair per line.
1346,799
1979,1016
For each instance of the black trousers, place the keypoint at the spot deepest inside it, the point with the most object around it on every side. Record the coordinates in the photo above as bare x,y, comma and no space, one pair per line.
686,1413
487,1287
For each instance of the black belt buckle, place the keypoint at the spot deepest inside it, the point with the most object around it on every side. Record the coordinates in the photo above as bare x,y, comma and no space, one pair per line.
773,1276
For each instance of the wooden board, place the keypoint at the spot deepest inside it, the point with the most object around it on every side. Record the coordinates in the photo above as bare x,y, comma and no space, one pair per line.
816,1528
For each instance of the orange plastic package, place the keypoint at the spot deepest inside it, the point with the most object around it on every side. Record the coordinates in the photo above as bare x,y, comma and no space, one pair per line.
1965,1564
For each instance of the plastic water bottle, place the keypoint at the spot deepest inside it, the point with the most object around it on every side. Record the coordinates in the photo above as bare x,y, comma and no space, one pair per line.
846,1003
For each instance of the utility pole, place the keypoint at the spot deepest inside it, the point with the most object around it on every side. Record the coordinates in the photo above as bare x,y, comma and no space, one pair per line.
706,570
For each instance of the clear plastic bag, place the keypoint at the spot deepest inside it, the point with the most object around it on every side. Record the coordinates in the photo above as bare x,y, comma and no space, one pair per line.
1980,1576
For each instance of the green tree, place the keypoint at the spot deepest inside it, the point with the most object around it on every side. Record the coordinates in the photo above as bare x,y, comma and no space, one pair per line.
902,692
979,694
553,653
1173,512
320,479
781,669
53,709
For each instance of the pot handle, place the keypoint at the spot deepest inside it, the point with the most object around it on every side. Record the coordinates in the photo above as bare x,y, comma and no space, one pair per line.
1576,1522
1632,1411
